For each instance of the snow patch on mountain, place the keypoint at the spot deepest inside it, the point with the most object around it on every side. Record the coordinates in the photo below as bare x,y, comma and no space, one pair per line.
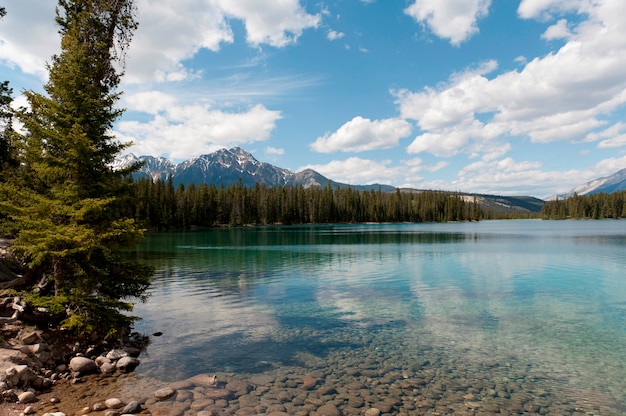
608,184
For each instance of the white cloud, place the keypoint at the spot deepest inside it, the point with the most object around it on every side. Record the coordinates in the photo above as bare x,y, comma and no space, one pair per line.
611,137
616,141
356,170
455,20
334,35
562,96
269,150
184,131
361,134
29,45
169,33
506,176
276,23
559,30
544,9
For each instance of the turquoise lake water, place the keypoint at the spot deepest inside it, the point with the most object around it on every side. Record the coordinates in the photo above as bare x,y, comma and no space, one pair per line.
507,309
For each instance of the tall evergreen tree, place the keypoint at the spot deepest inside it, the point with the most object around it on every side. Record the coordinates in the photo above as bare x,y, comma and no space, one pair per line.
66,201
7,151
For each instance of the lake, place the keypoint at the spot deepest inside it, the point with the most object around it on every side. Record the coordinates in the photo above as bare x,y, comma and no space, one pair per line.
487,317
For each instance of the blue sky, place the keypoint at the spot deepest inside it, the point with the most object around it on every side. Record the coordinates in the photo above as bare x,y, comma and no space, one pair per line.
493,96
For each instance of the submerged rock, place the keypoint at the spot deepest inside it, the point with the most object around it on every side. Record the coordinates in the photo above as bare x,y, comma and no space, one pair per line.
164,393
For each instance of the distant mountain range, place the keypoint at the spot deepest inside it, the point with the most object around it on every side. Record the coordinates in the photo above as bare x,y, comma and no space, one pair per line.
229,166
608,184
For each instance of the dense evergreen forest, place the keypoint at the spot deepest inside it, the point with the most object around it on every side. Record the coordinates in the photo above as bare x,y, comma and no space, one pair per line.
595,206
159,205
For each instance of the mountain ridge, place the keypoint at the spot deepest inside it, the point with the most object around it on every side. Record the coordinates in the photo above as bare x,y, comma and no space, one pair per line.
607,184
230,166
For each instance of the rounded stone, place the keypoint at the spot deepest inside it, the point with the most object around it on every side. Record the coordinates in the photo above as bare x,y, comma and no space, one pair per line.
308,383
218,394
83,365
127,364
107,368
132,408
27,397
113,403
328,409
114,355
164,393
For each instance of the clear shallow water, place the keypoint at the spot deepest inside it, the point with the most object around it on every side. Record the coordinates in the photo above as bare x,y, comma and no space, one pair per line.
501,310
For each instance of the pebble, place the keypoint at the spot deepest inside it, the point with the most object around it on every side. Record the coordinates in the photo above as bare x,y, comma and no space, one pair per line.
374,381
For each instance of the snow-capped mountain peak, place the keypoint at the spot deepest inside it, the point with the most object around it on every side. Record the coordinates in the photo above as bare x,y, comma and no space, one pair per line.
608,184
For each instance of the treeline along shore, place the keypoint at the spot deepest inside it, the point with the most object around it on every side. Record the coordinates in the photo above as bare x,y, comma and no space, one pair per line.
595,206
159,205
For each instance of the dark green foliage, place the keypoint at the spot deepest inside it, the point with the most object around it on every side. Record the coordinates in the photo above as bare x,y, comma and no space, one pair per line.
66,204
160,206
8,158
594,206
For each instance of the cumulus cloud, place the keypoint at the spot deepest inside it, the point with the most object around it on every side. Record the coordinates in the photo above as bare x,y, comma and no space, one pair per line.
356,170
562,96
611,137
455,20
182,131
545,9
334,35
271,22
274,151
559,30
361,134
169,33
29,46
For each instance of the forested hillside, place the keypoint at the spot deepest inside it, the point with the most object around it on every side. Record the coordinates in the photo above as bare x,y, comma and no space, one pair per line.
594,206
160,205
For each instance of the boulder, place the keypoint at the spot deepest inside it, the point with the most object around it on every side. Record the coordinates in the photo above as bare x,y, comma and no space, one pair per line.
127,364
101,360
83,365
27,397
116,354
107,368
30,338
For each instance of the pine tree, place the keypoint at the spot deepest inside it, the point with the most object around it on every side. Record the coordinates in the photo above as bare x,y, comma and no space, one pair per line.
7,152
66,202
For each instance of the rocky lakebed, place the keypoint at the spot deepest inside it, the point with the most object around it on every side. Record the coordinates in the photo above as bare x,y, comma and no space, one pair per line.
49,374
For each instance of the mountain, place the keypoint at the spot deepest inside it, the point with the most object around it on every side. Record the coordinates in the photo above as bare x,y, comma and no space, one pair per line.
229,166
608,184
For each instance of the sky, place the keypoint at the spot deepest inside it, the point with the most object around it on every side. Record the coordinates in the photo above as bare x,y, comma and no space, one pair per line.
507,97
